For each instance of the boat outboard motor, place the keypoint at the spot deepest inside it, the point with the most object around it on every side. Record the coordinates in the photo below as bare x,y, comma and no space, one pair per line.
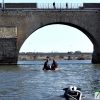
72,93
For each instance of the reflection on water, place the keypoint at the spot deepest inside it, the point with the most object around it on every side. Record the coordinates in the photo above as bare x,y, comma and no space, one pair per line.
27,80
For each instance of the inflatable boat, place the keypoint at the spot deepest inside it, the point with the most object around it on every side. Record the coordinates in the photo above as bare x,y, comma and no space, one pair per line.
72,93
50,68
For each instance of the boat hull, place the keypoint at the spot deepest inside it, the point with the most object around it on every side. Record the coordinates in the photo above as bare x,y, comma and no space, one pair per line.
50,69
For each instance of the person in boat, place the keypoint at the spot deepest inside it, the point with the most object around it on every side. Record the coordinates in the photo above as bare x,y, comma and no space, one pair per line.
54,65
46,65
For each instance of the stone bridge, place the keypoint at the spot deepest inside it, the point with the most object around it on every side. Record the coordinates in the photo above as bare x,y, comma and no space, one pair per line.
19,21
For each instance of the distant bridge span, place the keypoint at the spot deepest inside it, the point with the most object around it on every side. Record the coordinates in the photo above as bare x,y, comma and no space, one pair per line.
17,24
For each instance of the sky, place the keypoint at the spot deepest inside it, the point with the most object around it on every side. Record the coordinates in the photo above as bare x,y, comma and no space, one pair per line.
56,38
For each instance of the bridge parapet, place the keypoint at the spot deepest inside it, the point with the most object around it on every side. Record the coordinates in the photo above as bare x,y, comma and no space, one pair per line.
52,6
41,5
37,6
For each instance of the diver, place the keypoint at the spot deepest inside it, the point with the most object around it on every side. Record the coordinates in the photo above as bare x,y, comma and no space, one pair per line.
54,65
73,93
46,65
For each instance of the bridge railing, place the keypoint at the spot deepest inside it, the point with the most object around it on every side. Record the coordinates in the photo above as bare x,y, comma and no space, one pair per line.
45,6
49,6
59,5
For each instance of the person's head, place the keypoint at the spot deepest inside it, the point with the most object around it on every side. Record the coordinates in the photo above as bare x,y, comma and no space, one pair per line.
53,60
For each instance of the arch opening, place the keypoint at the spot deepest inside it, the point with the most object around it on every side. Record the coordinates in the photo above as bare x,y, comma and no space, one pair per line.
58,37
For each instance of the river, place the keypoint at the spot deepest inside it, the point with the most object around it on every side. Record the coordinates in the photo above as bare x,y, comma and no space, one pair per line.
27,80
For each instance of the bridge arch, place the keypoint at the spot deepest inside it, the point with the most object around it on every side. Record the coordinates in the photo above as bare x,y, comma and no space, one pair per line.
86,32
89,36
67,24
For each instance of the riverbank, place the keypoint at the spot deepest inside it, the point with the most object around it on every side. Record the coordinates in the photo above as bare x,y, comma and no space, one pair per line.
56,56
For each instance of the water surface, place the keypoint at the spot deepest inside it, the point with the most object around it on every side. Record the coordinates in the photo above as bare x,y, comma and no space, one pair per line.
27,80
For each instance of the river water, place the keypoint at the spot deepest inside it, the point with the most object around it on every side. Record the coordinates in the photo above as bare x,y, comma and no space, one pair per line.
27,80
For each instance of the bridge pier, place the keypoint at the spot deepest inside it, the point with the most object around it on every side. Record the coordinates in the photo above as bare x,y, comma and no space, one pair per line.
8,51
8,45
96,58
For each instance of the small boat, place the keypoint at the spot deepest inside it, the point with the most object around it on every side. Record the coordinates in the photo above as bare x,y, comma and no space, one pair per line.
50,68
72,93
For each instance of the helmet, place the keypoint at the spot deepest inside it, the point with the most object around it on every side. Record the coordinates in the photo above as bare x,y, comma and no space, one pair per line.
72,88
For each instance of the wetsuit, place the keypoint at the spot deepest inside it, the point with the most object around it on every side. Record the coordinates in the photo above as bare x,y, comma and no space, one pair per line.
54,65
46,66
